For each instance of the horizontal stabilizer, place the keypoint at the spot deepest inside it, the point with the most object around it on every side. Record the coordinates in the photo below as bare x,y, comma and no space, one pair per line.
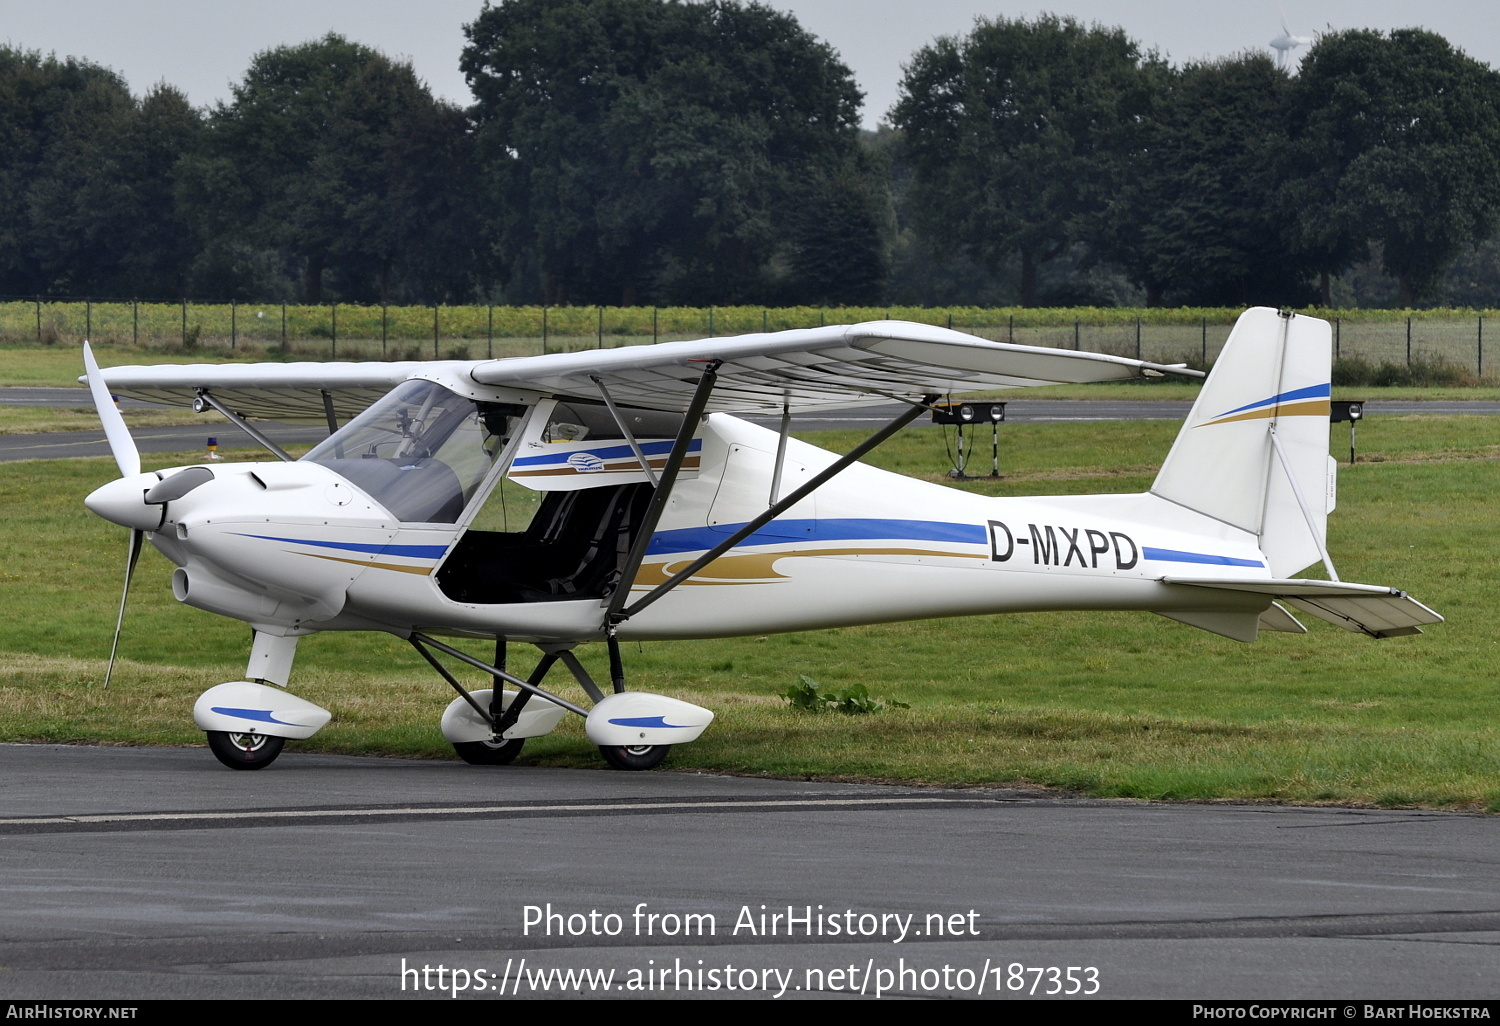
1363,608
1238,624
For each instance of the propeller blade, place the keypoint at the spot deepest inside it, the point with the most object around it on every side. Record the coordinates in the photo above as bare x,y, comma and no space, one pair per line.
120,442
136,538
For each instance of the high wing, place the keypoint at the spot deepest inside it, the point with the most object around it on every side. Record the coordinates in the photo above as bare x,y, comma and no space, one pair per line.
275,391
816,368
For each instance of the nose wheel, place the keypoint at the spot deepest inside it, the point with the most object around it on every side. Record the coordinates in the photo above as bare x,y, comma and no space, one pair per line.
244,751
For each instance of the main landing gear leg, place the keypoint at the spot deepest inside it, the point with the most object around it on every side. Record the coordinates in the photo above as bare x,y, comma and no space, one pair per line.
500,751
496,751
633,730
477,732
627,757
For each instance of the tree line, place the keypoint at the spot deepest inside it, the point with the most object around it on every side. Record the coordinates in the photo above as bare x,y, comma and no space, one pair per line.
631,152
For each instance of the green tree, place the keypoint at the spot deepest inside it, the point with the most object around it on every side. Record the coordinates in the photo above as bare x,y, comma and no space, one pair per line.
146,169
340,161
840,238
648,146
1395,139
1197,219
47,107
1018,134
87,180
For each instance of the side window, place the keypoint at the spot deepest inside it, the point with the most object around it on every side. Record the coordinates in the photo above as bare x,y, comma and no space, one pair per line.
508,509
575,445
581,422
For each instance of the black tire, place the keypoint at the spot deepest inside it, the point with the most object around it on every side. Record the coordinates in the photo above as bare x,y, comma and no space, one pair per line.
244,751
634,757
489,753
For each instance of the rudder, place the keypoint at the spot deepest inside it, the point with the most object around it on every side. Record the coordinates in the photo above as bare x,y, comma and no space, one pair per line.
1270,385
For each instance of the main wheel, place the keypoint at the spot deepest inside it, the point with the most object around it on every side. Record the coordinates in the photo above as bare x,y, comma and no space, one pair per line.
634,757
489,753
244,751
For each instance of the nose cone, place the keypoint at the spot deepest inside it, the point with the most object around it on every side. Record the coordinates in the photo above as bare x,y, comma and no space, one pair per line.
123,502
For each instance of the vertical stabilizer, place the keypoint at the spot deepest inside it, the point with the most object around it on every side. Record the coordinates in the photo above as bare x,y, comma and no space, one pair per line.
1272,379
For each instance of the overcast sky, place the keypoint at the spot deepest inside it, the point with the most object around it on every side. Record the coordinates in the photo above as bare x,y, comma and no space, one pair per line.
201,47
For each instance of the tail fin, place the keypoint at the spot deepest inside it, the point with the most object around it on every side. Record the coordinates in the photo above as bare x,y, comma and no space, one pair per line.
1257,439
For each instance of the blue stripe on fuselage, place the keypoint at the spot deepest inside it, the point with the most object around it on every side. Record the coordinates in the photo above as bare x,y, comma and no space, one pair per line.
611,452
410,551
1174,556
694,539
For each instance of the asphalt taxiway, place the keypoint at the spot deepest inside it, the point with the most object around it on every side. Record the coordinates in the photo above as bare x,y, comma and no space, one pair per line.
134,873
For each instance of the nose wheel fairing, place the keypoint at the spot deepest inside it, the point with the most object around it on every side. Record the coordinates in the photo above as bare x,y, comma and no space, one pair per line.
245,707
247,723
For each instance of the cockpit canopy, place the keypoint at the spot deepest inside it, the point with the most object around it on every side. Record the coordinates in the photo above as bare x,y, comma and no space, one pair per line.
421,451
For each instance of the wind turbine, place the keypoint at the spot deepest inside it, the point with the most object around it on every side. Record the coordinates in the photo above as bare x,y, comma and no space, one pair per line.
1285,43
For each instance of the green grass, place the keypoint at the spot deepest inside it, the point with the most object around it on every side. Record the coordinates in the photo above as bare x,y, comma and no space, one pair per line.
1107,704
18,420
60,366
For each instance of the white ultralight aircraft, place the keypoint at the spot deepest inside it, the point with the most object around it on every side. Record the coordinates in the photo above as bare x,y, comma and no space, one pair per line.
612,495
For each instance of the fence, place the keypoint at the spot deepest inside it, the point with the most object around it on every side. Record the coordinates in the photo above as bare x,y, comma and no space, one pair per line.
352,332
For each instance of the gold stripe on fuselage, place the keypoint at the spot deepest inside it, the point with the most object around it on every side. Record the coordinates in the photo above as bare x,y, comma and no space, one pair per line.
746,568
398,567
759,567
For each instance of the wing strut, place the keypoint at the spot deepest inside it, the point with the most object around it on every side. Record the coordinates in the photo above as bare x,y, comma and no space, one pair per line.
614,411
765,518
205,396
786,429
614,613
333,421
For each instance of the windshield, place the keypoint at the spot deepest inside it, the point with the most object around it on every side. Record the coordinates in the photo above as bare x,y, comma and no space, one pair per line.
421,451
